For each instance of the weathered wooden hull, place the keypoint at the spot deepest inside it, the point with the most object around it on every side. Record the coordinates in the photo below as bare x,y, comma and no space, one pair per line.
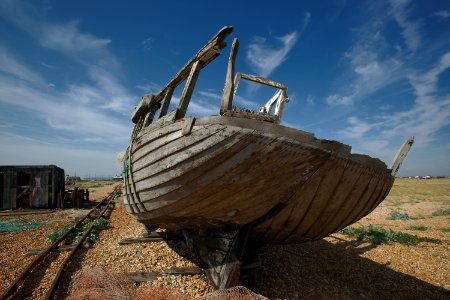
217,171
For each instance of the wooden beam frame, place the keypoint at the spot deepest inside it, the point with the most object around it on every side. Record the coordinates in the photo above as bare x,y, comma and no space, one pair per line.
228,90
188,90
206,54
279,100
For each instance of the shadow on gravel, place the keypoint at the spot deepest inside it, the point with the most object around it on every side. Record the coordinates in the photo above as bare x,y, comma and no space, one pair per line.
334,270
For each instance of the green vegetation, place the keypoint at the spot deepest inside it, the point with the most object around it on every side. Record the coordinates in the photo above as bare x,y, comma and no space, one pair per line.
419,228
446,229
379,235
396,215
99,224
441,212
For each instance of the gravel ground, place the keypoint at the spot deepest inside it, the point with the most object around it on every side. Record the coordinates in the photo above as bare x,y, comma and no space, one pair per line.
338,267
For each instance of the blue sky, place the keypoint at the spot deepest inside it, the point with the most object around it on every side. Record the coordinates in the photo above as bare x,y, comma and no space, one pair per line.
368,74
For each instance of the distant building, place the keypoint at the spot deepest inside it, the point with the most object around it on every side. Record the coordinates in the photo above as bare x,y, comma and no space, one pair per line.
72,179
31,186
118,178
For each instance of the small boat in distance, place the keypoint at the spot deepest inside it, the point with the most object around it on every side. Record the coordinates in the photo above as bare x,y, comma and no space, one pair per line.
224,179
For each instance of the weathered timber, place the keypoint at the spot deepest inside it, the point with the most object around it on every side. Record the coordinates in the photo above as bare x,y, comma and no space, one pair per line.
166,102
205,55
228,90
188,90
221,256
401,154
150,238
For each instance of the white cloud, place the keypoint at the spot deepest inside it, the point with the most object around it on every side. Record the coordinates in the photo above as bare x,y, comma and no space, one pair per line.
444,14
68,38
74,115
310,100
148,43
411,30
86,109
10,66
429,114
151,87
373,63
265,58
357,128
337,99
18,149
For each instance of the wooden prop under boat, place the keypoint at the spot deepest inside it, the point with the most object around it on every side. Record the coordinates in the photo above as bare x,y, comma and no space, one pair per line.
223,179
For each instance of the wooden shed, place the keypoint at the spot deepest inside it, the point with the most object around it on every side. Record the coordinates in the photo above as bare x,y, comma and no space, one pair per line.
31,186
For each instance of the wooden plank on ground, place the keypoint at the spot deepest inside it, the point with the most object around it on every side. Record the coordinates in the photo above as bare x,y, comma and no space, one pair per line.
150,276
38,251
149,238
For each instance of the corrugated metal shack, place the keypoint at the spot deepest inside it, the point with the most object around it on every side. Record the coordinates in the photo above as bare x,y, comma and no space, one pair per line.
31,186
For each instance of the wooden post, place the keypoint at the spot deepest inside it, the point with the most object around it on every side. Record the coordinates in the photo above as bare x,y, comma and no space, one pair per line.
166,102
188,90
401,154
228,90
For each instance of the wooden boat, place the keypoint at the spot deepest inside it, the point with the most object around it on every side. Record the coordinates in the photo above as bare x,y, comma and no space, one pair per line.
241,172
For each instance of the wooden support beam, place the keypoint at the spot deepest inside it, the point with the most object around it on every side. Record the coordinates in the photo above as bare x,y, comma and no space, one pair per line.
221,256
188,90
257,79
166,102
206,54
401,154
228,90
150,238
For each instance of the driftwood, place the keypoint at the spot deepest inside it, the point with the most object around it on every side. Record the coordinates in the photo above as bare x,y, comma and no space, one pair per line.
150,238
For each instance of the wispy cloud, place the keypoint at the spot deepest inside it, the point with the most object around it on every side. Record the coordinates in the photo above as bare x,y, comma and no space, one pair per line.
148,43
444,14
373,62
429,114
89,110
410,30
264,57
357,128
151,87
10,66
17,149
310,100
76,115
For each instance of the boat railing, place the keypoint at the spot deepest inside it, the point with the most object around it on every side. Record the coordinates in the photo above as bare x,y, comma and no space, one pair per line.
151,104
231,85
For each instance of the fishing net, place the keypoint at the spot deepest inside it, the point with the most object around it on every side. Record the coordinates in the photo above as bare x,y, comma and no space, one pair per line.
234,293
20,224
96,283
